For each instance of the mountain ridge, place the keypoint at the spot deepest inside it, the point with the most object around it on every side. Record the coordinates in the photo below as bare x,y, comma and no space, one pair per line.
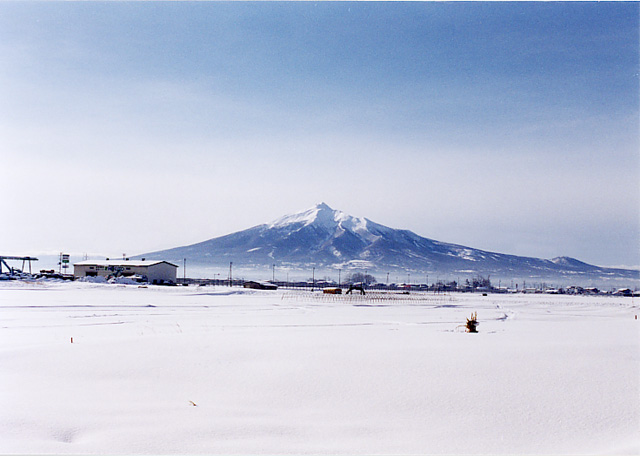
327,239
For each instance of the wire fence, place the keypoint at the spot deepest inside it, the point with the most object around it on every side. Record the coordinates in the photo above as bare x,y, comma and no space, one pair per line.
370,298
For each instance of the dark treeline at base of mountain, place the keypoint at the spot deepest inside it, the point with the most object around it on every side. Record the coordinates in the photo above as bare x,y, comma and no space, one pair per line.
330,241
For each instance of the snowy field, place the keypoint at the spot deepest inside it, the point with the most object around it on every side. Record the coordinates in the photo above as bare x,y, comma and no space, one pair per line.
217,370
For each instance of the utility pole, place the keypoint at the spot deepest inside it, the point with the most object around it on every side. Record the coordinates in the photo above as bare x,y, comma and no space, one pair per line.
184,270
230,276
339,271
313,278
273,278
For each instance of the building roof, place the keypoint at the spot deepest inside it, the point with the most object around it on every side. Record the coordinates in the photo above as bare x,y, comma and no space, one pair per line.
121,262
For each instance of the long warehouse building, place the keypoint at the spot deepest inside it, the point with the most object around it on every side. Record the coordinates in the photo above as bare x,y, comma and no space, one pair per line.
151,271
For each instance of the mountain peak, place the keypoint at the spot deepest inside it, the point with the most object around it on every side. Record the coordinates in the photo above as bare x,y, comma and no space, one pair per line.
321,212
324,217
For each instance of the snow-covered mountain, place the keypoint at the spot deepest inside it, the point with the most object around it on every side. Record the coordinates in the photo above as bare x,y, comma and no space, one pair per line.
328,239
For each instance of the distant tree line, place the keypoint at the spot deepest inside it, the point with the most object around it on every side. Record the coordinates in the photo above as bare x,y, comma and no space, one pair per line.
479,282
359,277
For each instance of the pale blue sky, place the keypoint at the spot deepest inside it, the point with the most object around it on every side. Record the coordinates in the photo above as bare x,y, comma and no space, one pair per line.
131,127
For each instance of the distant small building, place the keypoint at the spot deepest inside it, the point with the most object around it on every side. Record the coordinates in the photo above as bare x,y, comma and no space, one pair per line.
623,292
260,285
151,271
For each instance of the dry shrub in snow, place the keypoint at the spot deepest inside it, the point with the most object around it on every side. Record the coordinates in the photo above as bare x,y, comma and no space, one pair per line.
472,323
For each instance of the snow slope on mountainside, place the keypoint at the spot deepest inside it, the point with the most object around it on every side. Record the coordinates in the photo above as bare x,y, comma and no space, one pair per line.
327,239
189,370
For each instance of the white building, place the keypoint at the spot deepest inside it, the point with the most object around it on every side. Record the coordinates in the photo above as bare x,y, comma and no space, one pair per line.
152,271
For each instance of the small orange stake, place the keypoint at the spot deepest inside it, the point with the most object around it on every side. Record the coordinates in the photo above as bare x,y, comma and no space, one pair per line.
72,340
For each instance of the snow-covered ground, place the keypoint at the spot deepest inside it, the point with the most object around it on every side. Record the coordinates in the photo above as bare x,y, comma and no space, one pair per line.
219,370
